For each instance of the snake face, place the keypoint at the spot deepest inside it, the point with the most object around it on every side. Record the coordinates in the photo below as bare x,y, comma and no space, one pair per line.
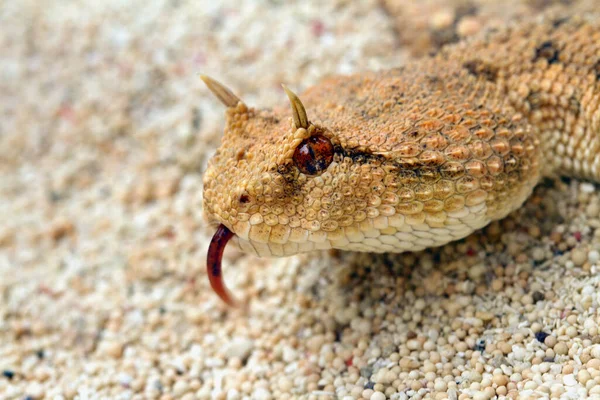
274,194
283,193
269,189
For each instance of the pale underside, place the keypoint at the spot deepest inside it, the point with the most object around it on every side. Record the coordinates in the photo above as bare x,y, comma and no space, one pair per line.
394,234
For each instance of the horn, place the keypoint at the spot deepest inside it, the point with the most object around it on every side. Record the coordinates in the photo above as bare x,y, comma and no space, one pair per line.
298,111
221,92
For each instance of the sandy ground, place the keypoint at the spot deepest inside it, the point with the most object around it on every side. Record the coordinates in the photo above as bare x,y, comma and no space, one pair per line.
105,130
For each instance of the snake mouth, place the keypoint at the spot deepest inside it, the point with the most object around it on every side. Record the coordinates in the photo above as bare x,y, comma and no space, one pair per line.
213,264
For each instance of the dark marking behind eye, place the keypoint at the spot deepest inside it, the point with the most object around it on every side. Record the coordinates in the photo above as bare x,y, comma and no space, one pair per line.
428,173
596,69
548,51
407,170
483,69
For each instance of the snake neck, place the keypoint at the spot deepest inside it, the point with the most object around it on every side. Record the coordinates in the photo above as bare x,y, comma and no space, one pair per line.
549,72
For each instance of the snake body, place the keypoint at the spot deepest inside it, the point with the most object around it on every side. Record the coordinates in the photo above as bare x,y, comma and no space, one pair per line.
421,155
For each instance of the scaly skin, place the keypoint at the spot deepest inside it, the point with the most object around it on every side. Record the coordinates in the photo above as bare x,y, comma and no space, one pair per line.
424,154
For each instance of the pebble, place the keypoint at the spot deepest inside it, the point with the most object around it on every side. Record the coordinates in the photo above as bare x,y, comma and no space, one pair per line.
561,348
550,341
594,256
180,388
519,353
261,394
593,210
537,296
571,331
594,363
35,390
569,380
285,384
500,380
8,374
538,254
239,348
442,20
468,26
579,256
111,348
367,393
378,396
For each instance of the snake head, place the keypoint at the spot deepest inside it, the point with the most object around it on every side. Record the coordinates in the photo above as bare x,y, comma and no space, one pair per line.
259,183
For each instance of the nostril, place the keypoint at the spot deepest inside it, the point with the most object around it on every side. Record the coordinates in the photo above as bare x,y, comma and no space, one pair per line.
244,198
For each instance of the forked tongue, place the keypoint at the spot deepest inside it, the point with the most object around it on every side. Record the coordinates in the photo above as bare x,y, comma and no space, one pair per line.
213,264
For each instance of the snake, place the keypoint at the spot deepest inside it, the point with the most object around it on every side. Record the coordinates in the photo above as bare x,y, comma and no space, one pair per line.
411,157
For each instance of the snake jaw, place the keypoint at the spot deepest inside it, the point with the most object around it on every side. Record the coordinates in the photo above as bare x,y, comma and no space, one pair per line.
213,264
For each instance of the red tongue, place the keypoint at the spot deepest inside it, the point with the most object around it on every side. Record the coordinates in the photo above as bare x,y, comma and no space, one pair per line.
213,264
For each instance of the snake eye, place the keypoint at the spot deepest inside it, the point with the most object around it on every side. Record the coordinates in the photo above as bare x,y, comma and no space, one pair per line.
313,155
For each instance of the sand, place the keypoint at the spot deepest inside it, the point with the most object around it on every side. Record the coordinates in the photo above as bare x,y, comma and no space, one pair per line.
105,130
